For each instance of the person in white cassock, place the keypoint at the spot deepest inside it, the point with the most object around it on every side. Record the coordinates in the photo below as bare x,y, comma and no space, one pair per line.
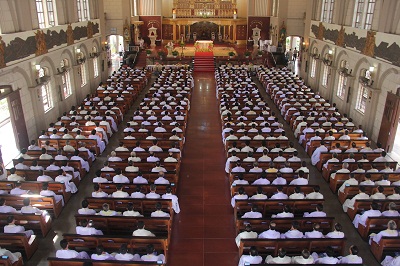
305,258
252,258
362,218
85,228
317,152
326,258
168,195
280,259
271,233
293,232
349,203
353,257
141,231
12,228
66,253
152,255
159,212
101,254
247,233
336,233
391,231
125,256
49,193
315,233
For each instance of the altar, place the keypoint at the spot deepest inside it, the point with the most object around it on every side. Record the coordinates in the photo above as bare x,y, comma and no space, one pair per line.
204,46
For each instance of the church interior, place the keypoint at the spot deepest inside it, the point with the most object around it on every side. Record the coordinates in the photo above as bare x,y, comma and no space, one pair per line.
265,118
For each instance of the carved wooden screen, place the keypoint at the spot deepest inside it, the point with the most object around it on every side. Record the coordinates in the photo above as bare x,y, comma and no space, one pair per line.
205,8
390,121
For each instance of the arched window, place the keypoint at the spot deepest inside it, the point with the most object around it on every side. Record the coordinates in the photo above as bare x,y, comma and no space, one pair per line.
314,62
45,89
46,13
363,14
95,62
83,10
341,91
327,10
66,79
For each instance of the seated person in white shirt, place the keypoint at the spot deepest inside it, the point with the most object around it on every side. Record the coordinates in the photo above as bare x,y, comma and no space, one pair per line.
395,195
152,194
279,193
140,231
29,209
305,258
131,168
293,232
297,194
247,233
120,193
13,176
262,180
6,209
86,228
49,193
241,195
101,254
391,231
349,182
99,178
319,212
85,208
17,190
98,192
379,194
280,259
107,212
65,253
158,168
315,233
271,233
336,232
381,158
259,194
125,256
152,255
252,258
353,257
131,212
253,213
286,213
159,212
119,177
315,194
384,181
362,218
300,180
239,180
12,228
391,261
326,258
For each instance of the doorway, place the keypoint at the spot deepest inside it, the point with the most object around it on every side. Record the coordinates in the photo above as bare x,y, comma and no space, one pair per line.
293,42
115,52
7,140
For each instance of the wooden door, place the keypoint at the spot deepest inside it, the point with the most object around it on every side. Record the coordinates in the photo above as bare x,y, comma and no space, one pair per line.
18,120
390,121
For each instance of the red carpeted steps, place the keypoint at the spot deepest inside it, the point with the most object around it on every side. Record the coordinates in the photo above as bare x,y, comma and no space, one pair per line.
141,59
204,62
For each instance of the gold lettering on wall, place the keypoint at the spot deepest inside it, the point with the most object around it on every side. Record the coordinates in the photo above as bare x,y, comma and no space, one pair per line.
369,48
41,47
340,39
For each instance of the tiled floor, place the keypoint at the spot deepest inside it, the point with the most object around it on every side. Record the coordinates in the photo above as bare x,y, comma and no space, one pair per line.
203,233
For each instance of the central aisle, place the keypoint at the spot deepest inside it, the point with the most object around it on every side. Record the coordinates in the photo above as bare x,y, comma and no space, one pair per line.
203,233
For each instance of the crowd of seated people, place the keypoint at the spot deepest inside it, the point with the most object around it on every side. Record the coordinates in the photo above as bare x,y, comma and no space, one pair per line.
341,150
141,174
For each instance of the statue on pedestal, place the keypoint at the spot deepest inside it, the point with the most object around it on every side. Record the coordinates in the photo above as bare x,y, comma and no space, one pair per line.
170,48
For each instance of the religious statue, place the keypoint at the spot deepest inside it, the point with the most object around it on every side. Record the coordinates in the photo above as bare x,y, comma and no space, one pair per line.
2,53
369,48
340,39
170,48
90,29
41,47
70,35
321,30
282,33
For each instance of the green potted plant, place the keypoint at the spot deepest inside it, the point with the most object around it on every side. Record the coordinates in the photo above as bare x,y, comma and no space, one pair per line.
175,53
247,54
260,53
161,54
148,52
231,54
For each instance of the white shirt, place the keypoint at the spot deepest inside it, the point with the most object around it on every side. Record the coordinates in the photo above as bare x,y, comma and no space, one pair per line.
142,232
244,235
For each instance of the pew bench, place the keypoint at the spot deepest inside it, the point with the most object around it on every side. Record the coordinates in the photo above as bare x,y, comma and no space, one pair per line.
20,243
37,223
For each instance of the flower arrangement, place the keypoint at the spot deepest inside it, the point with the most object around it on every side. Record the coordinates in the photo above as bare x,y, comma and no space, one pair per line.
161,53
231,53
175,53
247,53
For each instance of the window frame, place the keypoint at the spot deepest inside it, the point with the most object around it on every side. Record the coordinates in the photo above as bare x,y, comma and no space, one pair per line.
83,75
342,83
46,13
313,67
96,67
362,98
325,74
83,10
364,14
327,11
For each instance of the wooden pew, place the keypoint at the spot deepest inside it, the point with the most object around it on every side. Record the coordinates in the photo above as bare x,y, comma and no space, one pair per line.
113,243
36,187
144,206
292,246
375,225
361,205
43,203
78,262
19,242
386,246
284,224
351,191
272,206
7,262
269,190
37,223
340,178
109,188
125,225
251,177
172,177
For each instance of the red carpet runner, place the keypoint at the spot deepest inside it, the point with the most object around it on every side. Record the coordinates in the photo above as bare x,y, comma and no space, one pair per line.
204,62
